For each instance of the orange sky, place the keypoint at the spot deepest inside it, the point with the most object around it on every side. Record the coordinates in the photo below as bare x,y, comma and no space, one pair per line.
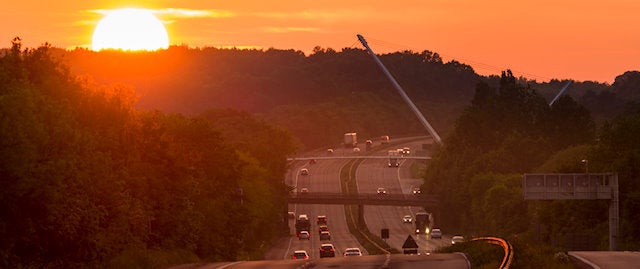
581,40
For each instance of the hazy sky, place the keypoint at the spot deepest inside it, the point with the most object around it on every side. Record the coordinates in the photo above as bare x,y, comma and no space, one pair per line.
581,40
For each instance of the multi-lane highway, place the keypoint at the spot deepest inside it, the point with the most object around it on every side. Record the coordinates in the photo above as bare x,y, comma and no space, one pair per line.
375,173
324,176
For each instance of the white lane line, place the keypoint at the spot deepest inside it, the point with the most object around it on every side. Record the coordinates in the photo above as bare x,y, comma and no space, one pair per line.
229,264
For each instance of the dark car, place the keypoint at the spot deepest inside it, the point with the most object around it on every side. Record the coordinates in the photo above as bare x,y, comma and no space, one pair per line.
325,236
323,228
327,250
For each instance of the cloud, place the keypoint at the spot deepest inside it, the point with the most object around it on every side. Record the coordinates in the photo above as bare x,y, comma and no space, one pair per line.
180,12
330,15
193,13
290,29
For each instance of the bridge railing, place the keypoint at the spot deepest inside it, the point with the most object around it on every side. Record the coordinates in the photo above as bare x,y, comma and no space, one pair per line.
363,196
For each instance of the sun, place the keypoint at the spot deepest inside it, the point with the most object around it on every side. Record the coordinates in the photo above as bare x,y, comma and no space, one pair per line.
130,29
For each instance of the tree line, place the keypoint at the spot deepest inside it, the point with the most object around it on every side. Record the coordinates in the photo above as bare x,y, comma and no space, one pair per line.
90,181
320,96
510,130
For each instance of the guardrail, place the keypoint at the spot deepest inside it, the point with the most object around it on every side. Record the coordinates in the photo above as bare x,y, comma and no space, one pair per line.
506,246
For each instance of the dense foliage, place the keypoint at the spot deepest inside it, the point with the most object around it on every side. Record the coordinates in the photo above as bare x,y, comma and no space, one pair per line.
90,181
317,97
511,130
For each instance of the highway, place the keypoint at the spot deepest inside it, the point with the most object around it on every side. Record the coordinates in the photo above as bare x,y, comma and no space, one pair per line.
324,176
606,259
375,173
400,261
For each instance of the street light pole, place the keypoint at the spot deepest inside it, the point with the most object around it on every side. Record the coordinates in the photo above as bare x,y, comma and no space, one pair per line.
586,166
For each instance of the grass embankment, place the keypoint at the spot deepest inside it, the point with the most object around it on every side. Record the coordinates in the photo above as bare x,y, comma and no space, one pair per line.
372,243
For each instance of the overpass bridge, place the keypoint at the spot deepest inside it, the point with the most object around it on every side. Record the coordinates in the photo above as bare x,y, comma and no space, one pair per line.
356,157
429,202
364,199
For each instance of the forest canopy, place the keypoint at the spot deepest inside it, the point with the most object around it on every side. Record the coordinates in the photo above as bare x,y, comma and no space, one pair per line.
90,181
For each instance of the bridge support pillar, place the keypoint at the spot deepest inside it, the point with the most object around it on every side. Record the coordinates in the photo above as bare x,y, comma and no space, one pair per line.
361,215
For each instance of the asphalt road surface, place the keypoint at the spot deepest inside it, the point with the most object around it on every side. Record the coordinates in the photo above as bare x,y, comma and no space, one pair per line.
375,173
607,259
396,261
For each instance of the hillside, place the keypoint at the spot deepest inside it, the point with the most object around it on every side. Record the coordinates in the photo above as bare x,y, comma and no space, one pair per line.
318,96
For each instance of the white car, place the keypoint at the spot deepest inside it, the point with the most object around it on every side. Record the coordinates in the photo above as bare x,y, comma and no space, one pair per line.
381,191
304,235
352,252
300,255
304,171
457,239
436,233
407,219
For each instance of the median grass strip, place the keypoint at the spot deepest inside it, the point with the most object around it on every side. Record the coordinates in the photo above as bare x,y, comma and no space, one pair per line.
367,239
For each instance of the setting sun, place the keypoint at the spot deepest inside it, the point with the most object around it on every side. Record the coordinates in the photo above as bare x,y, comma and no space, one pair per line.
130,29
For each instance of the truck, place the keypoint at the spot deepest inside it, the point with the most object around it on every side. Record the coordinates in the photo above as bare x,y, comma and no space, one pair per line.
393,158
350,140
422,222
302,224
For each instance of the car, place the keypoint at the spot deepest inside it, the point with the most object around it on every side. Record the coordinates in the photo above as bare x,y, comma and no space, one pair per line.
322,219
327,250
329,151
304,235
457,239
352,252
381,191
304,191
291,214
407,219
300,255
323,228
406,151
436,233
368,144
416,190
356,149
304,171
326,235
312,161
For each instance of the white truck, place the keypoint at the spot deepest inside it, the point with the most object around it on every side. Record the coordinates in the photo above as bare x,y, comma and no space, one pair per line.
393,158
350,140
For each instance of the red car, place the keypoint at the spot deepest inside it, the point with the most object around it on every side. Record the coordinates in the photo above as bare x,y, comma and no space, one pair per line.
322,219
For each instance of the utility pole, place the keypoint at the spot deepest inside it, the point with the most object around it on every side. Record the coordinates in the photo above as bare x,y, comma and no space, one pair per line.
404,95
